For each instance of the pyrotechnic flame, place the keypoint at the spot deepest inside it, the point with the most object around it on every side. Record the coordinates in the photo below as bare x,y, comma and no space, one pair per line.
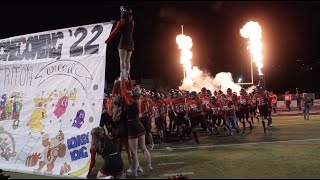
195,78
185,44
253,31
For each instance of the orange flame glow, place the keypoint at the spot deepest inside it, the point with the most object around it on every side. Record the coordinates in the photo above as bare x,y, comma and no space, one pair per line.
185,44
253,31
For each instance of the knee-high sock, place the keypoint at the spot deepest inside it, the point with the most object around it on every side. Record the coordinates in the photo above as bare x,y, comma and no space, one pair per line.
194,133
244,125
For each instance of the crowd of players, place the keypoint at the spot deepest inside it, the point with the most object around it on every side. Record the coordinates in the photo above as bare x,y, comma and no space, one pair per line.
130,113
183,113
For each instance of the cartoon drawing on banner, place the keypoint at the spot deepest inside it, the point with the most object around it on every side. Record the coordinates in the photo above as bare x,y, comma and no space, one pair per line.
53,149
7,145
10,106
65,168
81,171
79,119
62,104
39,114
50,99
32,159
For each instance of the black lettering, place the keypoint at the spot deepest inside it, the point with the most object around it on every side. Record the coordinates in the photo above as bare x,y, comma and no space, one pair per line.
93,49
6,75
70,68
15,50
23,76
31,48
16,72
29,75
4,50
61,68
44,46
51,70
78,74
56,52
64,67
76,50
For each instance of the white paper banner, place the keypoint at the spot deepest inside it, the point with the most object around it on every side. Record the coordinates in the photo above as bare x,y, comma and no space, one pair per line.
51,90
316,102
282,104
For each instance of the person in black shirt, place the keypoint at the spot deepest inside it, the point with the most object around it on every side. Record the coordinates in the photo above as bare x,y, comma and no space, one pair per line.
136,131
126,45
104,146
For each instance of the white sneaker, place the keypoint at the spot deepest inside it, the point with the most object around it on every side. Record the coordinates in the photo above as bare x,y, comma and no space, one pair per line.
140,170
107,177
270,125
129,170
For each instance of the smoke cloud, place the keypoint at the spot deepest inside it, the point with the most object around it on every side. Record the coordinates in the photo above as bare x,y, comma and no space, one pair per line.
198,79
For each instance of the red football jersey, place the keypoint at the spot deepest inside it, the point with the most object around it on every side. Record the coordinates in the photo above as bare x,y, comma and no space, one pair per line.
145,107
261,99
244,101
215,108
229,97
160,108
179,105
195,107
227,108
274,98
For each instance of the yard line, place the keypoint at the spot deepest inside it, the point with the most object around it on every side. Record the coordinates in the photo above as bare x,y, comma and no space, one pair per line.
310,123
168,148
172,163
165,155
174,174
240,144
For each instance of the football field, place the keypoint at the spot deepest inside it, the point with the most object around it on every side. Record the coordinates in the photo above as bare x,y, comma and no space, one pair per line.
289,149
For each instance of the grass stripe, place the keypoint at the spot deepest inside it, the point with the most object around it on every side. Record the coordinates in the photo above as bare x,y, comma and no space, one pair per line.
172,163
174,174
240,144
165,155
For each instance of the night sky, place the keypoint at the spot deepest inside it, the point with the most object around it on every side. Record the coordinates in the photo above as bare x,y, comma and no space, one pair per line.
290,32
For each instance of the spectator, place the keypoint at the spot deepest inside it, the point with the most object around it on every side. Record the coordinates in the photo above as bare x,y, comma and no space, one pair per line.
274,100
287,99
298,100
305,105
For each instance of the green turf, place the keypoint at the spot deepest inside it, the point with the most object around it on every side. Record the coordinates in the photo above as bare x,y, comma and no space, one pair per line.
288,150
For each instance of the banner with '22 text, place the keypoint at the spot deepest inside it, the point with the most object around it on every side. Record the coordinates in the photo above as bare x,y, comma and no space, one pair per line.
51,92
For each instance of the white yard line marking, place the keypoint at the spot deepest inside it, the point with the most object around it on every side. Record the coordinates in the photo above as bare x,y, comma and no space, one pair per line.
174,174
310,123
173,163
169,148
241,144
165,155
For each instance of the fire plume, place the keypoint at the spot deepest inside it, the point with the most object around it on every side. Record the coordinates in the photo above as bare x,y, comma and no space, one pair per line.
185,44
252,31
